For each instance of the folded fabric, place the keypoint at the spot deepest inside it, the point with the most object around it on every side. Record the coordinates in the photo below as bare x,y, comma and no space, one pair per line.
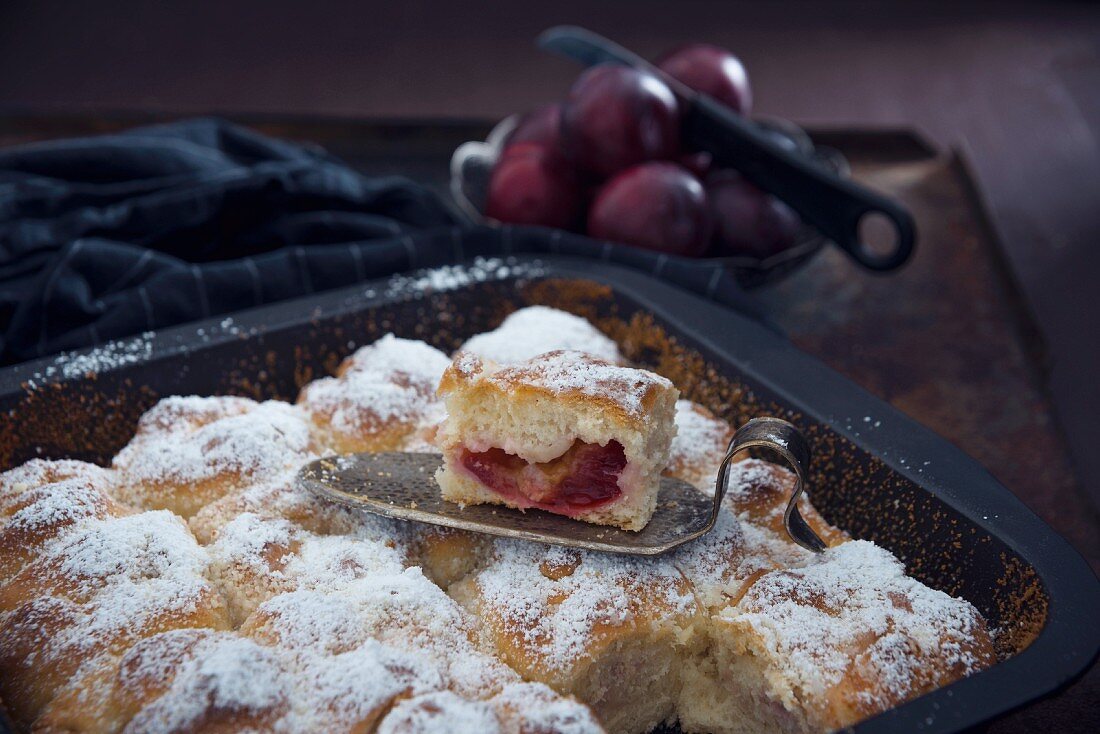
105,237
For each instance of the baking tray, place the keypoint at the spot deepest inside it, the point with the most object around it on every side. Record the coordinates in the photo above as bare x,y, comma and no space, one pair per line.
875,472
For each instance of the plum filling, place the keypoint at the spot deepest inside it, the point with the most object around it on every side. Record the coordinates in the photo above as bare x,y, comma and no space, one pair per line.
583,477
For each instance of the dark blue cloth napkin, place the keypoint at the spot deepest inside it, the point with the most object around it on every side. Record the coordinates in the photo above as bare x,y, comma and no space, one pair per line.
110,236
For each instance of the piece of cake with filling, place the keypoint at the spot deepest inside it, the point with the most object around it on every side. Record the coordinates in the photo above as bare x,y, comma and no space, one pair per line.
564,432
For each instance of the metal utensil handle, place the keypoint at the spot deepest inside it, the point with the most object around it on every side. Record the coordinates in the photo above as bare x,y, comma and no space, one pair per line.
787,441
834,206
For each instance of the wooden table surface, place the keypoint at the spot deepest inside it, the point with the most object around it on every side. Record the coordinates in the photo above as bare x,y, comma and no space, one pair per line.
948,339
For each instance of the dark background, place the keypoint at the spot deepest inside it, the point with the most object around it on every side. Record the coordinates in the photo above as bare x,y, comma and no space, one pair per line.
1014,86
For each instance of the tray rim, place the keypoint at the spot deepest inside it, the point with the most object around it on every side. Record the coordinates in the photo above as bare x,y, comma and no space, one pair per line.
1069,635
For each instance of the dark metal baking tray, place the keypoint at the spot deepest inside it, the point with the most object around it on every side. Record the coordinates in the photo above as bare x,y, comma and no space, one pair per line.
875,473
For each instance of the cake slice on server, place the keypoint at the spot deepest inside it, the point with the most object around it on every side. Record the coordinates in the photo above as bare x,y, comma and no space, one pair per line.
564,432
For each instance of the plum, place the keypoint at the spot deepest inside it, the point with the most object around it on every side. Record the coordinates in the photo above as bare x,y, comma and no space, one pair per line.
657,206
712,70
697,163
541,125
532,184
616,117
747,220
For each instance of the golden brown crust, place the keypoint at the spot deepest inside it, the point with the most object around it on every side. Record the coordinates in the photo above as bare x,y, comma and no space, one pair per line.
91,578
136,689
382,397
848,635
603,629
571,378
283,499
448,556
42,499
190,451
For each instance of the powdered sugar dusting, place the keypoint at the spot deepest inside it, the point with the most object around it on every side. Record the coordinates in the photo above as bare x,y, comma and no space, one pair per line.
406,609
186,413
43,498
746,476
254,558
312,561
221,677
556,613
440,712
283,498
107,356
452,277
722,564
225,674
53,506
391,382
402,609
468,363
535,330
698,434
336,629
852,612
391,355
576,373
698,446
356,686
360,401
188,440
104,582
39,472
152,545
308,620
534,707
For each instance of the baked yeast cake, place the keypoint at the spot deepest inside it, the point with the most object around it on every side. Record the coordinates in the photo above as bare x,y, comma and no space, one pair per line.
192,586
565,432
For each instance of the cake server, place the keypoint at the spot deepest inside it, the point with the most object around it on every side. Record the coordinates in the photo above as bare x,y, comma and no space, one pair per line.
402,486
833,205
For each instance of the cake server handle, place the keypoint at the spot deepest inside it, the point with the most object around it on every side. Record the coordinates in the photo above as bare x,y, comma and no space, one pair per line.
783,438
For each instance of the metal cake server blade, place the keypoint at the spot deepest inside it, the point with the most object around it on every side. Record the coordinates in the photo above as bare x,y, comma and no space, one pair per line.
402,486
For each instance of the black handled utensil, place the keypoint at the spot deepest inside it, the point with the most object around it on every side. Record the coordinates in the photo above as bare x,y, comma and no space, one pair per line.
833,205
